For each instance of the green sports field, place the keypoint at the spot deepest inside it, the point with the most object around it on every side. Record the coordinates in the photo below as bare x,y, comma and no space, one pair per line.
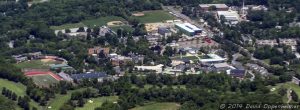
36,64
97,102
44,80
155,16
158,106
101,21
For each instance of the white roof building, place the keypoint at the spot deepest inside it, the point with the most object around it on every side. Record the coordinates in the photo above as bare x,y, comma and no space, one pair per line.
267,42
213,58
157,68
230,16
188,27
289,42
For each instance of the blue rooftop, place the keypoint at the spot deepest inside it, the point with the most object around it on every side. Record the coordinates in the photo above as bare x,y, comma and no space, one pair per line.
89,75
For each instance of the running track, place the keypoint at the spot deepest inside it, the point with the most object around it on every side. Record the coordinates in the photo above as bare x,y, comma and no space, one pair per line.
35,73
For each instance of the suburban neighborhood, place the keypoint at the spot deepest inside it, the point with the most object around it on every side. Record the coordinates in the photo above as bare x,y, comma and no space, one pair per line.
148,54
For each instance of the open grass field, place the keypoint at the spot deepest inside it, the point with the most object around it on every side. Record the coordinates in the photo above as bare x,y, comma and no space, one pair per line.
44,80
158,106
125,27
67,26
97,102
18,88
295,67
60,100
101,21
36,64
288,85
155,16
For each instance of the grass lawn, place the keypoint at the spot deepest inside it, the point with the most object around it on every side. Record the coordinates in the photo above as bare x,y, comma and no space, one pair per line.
287,85
101,21
267,61
158,106
37,64
125,27
60,100
295,67
97,102
44,80
18,88
155,16
67,26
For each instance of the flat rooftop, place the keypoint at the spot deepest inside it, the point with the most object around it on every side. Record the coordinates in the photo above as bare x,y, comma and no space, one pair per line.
229,14
217,5
188,27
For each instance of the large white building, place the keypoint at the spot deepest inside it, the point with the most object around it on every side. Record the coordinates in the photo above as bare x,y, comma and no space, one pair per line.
231,17
188,29
213,58
157,68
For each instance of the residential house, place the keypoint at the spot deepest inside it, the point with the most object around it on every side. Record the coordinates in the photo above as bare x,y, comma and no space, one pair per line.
266,42
97,50
247,40
237,73
20,58
289,42
118,60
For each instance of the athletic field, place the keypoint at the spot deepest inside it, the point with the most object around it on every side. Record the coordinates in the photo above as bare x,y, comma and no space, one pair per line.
43,79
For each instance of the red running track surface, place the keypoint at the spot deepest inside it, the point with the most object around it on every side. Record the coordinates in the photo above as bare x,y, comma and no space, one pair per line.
33,73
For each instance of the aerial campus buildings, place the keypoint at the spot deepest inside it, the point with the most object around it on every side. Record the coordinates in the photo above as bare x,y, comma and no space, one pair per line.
188,29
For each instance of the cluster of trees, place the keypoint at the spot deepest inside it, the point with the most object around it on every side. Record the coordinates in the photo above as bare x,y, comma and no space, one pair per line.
12,96
202,90
10,72
273,53
24,102
79,98
9,94
7,104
